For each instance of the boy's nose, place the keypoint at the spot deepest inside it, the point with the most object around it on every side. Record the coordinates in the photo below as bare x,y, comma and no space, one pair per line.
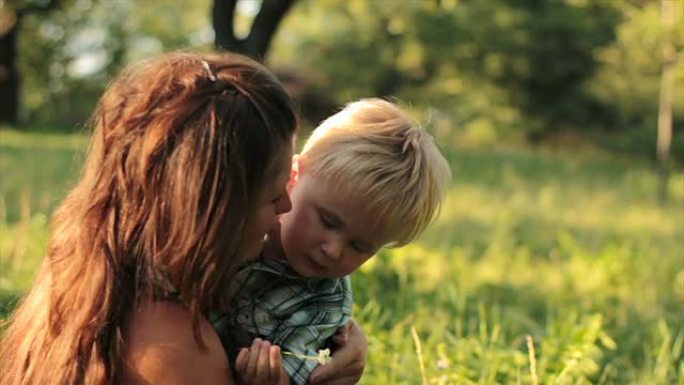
332,248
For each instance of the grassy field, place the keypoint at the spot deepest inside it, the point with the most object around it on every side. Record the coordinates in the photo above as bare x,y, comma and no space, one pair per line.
544,268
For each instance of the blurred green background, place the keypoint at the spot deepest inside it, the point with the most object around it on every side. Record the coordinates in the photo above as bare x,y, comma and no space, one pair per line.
559,255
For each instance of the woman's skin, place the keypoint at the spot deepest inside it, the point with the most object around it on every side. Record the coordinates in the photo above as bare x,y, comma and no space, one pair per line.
162,348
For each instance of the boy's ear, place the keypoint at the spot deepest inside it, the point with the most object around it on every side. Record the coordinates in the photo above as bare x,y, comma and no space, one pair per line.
295,170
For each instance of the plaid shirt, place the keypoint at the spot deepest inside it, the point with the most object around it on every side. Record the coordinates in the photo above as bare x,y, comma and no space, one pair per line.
270,300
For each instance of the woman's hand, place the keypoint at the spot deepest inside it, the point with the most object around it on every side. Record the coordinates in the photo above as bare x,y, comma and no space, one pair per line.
348,360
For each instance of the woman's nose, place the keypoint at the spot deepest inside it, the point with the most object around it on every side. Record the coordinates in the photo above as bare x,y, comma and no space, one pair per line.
283,205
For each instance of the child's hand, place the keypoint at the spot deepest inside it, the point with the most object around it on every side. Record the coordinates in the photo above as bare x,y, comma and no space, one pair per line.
260,364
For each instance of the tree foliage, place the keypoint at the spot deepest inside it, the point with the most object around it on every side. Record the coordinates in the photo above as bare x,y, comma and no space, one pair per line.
538,55
481,70
532,69
68,57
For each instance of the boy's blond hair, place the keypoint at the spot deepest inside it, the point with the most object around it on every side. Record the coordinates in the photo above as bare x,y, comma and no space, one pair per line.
375,154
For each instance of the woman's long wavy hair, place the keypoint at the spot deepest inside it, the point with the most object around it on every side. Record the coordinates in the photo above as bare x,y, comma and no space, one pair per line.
180,152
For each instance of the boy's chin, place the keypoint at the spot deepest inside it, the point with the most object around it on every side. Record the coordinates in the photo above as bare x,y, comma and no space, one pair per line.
251,253
309,268
273,250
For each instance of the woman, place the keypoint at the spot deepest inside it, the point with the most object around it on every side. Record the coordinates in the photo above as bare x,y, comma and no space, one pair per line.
185,175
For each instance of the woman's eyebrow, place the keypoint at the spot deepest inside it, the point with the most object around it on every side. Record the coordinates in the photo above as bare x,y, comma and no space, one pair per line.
281,179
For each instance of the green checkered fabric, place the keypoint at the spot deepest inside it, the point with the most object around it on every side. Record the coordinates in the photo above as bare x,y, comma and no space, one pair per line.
269,300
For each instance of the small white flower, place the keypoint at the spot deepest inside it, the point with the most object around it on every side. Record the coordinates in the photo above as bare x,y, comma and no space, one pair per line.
324,356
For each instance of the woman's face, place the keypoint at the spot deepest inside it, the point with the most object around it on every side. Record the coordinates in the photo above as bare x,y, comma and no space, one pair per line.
274,201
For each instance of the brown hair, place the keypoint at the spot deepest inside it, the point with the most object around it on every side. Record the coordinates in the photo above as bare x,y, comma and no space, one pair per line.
179,154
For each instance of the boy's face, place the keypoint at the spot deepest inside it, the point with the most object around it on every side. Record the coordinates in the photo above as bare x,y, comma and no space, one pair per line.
326,234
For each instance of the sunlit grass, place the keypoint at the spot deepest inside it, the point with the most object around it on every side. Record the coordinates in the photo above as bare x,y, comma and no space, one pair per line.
570,256
576,253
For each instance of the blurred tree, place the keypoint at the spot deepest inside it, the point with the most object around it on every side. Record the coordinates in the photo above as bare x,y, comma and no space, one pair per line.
518,63
547,57
539,53
631,75
68,56
485,69
257,42
670,59
12,14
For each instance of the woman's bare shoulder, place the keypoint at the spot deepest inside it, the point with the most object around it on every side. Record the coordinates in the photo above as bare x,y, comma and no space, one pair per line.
161,348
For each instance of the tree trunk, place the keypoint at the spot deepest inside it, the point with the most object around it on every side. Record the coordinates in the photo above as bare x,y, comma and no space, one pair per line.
9,78
222,15
265,24
10,20
665,105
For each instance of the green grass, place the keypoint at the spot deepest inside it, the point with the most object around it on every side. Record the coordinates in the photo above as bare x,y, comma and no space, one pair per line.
544,268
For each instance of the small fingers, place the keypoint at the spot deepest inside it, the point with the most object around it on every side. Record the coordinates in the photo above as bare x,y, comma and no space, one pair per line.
241,360
263,362
253,360
275,363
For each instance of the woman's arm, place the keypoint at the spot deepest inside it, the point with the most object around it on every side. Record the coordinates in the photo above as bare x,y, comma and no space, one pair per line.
348,361
161,349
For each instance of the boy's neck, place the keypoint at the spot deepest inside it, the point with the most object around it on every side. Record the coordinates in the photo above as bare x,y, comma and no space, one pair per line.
273,249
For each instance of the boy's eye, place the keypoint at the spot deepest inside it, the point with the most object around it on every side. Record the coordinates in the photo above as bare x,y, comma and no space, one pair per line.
360,248
328,221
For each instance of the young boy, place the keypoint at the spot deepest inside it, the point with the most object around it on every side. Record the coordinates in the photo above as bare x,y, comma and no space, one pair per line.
367,178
